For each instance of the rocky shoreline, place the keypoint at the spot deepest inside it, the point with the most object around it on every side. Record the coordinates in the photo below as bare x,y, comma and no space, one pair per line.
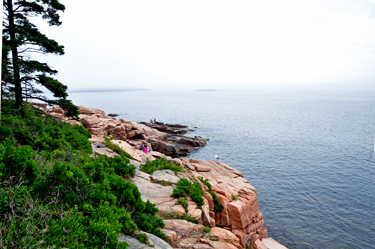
238,225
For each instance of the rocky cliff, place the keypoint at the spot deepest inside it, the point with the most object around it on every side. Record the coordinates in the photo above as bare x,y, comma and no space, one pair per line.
238,224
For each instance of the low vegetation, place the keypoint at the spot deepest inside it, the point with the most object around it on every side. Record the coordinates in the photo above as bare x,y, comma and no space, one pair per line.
180,217
206,229
107,142
162,182
217,207
185,188
184,203
53,194
159,164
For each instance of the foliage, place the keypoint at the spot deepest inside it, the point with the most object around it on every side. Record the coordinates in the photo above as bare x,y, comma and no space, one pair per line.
180,217
142,238
116,148
54,194
41,132
162,182
217,207
184,203
235,197
23,75
159,164
206,229
186,188
205,182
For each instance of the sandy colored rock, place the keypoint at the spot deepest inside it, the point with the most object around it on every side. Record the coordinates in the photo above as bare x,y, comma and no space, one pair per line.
162,175
128,148
171,235
200,167
156,154
90,121
91,111
268,243
151,190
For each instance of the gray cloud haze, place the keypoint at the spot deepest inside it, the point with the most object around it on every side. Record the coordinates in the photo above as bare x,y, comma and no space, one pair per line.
216,44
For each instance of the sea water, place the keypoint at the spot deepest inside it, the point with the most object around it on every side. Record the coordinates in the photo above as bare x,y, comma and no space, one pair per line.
310,155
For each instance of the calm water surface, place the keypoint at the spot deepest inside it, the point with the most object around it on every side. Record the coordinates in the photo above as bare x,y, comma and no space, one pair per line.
311,156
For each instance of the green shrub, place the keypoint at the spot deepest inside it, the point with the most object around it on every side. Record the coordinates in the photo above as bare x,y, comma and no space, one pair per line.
53,193
205,182
218,208
184,203
206,229
143,238
186,188
159,164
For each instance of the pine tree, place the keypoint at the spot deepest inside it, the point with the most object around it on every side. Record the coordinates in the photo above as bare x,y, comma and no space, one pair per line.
21,38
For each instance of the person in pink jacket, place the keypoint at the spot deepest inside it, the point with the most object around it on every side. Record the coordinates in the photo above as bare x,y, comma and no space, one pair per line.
145,149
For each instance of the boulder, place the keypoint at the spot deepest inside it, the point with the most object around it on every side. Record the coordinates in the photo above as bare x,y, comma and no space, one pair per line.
128,148
268,243
151,191
90,121
164,175
91,111
58,109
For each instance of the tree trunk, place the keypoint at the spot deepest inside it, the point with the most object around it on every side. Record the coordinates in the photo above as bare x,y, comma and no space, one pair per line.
16,68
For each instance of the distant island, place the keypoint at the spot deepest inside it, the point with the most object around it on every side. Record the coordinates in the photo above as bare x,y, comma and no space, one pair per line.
108,90
206,90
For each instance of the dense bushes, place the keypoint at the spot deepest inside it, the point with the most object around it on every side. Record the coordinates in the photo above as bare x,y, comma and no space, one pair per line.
53,194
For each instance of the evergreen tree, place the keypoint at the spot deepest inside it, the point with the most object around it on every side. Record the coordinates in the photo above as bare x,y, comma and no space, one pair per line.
20,39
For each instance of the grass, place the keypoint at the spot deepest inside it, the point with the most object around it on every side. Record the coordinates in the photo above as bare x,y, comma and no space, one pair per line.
206,229
180,217
162,182
116,148
184,203
160,164
235,197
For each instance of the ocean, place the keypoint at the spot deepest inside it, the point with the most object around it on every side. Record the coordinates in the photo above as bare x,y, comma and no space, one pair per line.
310,155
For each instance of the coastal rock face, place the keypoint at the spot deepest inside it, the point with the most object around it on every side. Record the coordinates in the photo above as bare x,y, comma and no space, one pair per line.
164,138
238,225
184,234
241,213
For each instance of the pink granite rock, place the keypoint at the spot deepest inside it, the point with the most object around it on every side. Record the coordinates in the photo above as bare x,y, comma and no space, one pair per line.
90,111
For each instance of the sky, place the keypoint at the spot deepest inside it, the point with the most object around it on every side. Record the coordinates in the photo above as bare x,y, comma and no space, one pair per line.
215,44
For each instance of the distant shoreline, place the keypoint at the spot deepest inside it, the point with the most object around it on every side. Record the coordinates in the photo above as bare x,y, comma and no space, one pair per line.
107,90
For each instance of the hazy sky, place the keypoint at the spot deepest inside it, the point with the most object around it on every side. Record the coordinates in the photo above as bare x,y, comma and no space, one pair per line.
216,44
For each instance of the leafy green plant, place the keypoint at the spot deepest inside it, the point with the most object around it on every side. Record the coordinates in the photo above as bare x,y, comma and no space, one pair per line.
235,197
53,193
159,164
143,238
186,188
217,207
184,203
206,229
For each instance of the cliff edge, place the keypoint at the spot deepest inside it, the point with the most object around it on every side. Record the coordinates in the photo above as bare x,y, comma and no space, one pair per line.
229,216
